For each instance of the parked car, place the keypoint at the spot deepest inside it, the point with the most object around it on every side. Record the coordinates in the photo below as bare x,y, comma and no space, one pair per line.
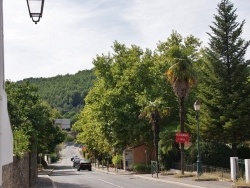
84,165
76,161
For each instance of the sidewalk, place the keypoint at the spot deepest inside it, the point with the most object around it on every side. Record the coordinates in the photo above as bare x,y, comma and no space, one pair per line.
43,179
186,182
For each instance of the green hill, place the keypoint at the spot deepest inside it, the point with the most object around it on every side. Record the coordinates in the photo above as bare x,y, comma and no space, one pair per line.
65,92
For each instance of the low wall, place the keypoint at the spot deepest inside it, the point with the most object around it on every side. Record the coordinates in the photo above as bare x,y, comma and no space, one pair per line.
21,171
32,167
7,176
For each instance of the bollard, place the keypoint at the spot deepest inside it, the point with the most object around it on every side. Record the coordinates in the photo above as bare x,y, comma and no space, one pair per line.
233,165
247,170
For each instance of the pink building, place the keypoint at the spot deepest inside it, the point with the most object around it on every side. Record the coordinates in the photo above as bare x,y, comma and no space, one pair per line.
141,154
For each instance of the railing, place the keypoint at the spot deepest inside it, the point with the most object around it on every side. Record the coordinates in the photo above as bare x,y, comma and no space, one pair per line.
221,172
241,168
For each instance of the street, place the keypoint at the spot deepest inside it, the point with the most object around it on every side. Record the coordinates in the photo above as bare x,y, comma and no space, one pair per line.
65,176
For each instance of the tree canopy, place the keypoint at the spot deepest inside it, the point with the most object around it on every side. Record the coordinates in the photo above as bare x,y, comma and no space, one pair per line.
225,88
33,117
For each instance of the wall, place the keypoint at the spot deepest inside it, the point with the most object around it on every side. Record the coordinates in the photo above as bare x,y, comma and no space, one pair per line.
8,176
21,172
32,167
142,157
6,136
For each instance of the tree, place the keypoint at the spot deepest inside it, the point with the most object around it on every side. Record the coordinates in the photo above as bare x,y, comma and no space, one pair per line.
111,104
124,81
153,112
181,55
225,86
65,92
31,116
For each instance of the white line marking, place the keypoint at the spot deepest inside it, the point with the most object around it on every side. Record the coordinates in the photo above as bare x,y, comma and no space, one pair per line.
106,182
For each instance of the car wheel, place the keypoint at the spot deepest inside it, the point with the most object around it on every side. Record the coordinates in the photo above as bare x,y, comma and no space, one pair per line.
78,169
90,169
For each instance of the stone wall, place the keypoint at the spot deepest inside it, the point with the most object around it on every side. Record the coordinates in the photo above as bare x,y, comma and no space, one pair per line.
33,167
21,171
8,176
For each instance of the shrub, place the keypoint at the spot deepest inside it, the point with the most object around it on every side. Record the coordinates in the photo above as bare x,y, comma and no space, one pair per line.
244,152
69,138
212,154
141,168
116,160
54,157
21,143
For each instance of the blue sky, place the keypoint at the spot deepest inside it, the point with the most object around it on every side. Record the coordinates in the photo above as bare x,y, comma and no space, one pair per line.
72,32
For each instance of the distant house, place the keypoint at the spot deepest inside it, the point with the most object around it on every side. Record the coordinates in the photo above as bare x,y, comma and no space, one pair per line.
63,123
141,154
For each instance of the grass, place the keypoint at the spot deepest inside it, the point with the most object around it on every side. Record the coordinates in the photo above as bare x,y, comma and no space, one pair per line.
241,183
185,175
207,177
215,176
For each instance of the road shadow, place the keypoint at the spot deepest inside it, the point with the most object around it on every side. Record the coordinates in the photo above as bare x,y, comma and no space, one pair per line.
66,185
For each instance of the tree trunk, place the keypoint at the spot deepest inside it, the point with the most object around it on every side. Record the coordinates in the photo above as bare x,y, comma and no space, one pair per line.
234,145
182,113
156,121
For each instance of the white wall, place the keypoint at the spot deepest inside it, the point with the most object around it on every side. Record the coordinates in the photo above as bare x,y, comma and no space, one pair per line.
6,136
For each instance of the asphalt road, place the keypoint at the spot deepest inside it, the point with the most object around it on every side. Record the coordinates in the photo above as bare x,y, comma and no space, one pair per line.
65,176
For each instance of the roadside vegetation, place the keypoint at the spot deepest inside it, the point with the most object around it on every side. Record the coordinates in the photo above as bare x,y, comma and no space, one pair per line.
129,78
32,120
136,96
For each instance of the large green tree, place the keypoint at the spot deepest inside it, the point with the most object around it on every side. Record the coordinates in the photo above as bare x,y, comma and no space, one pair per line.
32,116
225,88
125,82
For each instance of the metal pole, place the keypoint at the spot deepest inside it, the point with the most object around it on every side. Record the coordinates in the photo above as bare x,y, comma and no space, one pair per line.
199,168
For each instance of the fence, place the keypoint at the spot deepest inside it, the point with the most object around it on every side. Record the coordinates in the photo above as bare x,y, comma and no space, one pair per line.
221,172
240,169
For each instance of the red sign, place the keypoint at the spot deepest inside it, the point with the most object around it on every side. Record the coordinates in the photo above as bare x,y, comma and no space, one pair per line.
182,137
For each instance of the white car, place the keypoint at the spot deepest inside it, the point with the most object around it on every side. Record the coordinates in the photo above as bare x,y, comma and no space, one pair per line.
76,161
73,157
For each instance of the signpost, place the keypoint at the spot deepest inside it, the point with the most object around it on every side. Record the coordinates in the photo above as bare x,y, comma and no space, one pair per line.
182,137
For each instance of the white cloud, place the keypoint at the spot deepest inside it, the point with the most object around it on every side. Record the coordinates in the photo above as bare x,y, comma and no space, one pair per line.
71,33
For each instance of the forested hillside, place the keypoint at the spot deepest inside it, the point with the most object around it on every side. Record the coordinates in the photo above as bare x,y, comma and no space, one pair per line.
65,92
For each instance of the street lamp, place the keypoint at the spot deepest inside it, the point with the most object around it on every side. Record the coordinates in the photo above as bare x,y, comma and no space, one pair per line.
35,9
197,106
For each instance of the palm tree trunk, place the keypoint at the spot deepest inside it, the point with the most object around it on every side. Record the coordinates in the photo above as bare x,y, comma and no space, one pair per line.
182,112
156,137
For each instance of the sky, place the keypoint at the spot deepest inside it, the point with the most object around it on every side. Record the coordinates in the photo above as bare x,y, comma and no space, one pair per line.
72,32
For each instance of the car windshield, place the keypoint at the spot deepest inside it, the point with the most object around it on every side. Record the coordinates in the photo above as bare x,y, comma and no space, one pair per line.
85,161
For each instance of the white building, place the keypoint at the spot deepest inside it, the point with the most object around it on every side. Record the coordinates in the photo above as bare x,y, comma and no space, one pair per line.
63,123
6,135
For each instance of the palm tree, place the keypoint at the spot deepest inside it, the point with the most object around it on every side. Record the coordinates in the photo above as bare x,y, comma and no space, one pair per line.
154,111
181,75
